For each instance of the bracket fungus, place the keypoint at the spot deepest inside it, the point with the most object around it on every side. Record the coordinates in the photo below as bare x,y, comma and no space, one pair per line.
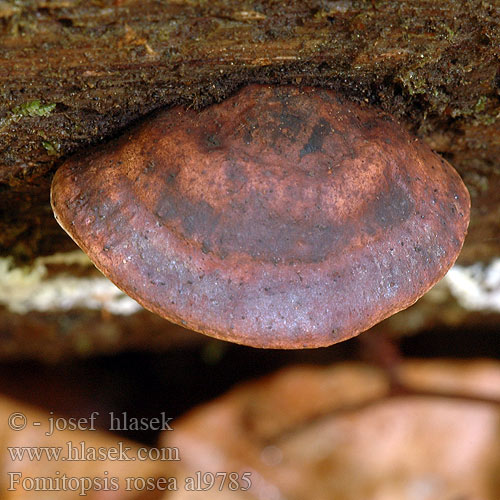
281,217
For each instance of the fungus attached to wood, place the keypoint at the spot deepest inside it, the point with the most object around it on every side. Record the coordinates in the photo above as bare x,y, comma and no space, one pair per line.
281,217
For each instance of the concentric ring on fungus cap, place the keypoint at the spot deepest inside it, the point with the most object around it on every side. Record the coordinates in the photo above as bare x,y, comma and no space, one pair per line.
281,217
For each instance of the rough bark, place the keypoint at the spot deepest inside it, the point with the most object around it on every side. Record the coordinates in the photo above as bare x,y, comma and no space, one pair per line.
74,73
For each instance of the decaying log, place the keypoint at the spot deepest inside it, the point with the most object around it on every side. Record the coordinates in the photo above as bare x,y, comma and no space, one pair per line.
75,73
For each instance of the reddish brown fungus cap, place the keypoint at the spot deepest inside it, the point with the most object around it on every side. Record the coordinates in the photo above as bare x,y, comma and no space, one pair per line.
281,217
